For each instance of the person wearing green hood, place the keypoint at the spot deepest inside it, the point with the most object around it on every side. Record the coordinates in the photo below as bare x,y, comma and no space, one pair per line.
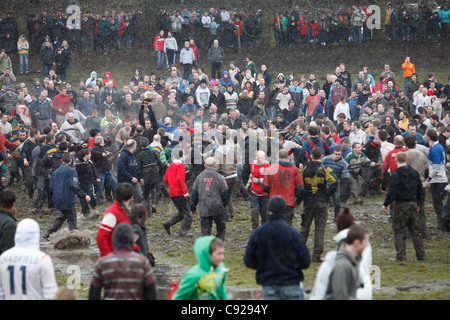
205,280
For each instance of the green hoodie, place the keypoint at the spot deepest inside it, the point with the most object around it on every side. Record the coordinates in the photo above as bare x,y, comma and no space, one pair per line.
202,281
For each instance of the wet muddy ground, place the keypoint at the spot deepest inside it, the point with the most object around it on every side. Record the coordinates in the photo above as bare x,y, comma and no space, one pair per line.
394,280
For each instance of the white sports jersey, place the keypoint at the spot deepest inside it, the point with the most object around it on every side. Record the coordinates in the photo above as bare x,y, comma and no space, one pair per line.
26,273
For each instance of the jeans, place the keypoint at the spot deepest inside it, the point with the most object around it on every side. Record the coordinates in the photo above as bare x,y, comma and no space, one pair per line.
170,57
47,68
23,57
105,177
405,81
159,59
290,292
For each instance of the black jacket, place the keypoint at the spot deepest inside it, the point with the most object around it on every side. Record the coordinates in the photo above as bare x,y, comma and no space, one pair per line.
87,174
262,253
149,165
404,186
372,151
101,163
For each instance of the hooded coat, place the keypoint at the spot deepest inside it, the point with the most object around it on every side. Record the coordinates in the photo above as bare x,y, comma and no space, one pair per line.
40,282
105,80
92,80
323,274
203,281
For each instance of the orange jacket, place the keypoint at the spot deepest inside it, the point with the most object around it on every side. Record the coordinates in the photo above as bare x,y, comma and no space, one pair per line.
408,69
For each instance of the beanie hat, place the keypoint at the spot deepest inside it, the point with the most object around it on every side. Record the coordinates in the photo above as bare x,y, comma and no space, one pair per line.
344,219
123,237
277,204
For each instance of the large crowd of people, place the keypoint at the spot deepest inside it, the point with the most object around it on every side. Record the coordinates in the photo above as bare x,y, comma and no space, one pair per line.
204,141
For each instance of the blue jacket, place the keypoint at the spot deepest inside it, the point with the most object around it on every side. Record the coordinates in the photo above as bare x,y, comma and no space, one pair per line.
264,250
127,167
44,108
86,106
65,186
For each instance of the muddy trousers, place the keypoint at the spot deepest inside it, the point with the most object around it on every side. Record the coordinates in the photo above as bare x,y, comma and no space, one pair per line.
207,222
351,189
229,209
317,211
152,190
183,215
41,192
422,218
288,215
28,181
259,209
437,190
405,216
69,215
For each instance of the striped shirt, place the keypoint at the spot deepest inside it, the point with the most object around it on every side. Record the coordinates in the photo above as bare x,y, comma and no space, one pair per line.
123,274
340,167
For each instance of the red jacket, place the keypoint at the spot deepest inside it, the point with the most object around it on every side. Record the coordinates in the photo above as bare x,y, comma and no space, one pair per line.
237,28
113,216
389,163
315,28
61,102
4,142
175,179
282,179
302,27
257,172
159,43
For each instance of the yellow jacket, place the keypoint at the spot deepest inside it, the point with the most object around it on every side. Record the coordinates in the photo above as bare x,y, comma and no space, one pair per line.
22,47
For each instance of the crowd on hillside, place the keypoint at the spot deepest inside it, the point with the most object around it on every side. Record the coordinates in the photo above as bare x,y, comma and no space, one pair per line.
121,30
204,140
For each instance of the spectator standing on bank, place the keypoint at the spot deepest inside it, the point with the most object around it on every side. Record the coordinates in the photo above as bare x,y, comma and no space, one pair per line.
216,56
159,48
408,71
187,58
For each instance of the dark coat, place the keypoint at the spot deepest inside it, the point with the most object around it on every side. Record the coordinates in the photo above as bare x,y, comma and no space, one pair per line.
127,167
101,163
262,253
65,186
149,165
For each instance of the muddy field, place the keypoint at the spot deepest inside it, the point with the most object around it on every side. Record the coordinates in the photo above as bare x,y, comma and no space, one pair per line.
392,280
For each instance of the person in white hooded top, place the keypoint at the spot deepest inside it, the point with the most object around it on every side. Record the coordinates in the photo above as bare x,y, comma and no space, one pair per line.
344,221
27,273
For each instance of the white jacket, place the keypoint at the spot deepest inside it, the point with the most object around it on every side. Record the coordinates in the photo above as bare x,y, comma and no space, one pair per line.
325,269
31,269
